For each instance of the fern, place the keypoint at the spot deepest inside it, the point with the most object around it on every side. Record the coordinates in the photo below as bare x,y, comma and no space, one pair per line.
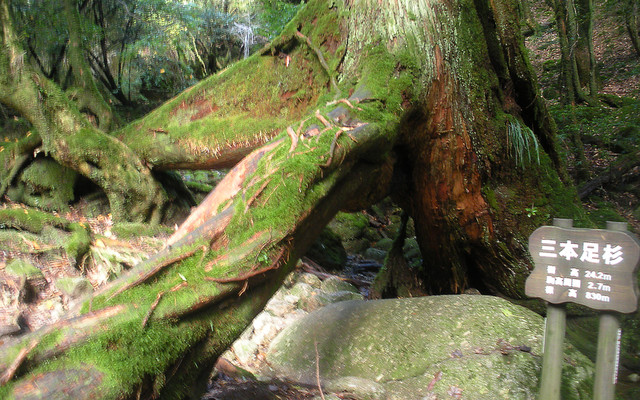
520,139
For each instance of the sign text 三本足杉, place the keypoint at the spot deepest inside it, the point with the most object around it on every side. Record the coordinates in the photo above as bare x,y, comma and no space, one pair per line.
592,267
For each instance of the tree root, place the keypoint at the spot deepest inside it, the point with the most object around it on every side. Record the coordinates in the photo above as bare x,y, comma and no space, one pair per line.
157,300
75,330
323,62
294,139
19,162
10,372
322,119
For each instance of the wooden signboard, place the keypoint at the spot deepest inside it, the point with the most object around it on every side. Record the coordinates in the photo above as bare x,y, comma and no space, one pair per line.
593,267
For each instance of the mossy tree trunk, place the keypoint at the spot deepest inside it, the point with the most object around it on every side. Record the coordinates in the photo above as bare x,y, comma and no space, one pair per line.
574,25
354,101
84,89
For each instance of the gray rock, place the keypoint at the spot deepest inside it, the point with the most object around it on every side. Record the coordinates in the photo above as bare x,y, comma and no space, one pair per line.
360,388
294,316
375,254
453,344
279,307
266,327
316,300
309,279
335,284
302,290
245,350
343,295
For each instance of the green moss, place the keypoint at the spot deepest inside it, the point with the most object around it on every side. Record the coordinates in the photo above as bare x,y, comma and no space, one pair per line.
228,110
20,267
128,230
78,244
28,219
49,185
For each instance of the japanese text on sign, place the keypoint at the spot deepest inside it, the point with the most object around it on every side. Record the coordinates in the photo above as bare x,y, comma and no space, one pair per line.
611,254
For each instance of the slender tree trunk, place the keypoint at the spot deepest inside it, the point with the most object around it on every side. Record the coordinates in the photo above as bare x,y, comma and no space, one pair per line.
585,55
530,22
413,98
631,22
566,25
570,82
84,91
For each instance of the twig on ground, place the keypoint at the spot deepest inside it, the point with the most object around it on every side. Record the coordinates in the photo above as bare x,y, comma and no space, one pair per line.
294,139
24,352
323,119
315,346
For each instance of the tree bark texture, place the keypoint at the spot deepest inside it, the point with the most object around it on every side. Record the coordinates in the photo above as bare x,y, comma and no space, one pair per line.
354,101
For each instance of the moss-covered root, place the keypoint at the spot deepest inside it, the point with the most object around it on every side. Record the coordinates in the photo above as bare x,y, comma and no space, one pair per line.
395,279
34,221
164,324
13,156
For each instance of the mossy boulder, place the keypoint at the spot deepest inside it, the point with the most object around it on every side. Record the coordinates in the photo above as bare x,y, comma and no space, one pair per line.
334,284
480,346
351,228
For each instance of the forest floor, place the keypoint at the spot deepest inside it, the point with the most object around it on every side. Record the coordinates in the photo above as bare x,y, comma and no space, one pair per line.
618,69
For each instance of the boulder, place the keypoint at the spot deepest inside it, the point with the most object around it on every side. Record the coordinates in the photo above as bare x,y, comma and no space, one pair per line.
472,347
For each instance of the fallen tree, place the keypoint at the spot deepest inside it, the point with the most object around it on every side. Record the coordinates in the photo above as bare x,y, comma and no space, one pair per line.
422,100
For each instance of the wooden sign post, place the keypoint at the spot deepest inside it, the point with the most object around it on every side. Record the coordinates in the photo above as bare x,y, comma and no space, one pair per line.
595,268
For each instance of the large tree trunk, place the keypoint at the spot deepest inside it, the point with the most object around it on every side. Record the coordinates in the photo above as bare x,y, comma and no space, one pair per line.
413,98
